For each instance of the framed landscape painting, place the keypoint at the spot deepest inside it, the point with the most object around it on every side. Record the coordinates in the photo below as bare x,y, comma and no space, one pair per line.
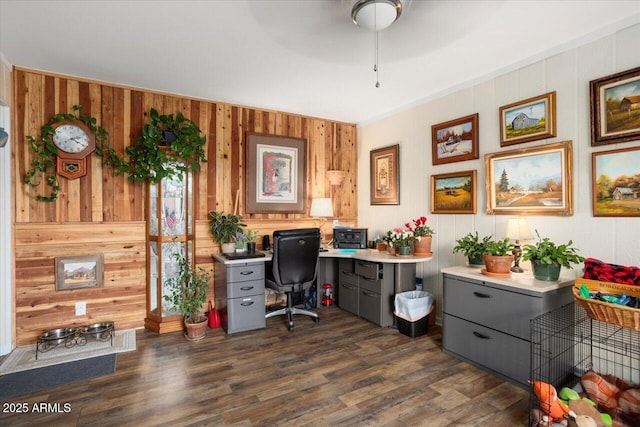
615,108
76,272
455,140
275,181
616,182
528,120
454,193
531,181
385,176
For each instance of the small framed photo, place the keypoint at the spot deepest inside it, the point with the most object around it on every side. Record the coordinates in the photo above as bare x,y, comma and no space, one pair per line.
455,140
385,176
78,272
615,108
530,181
276,168
454,193
528,120
616,183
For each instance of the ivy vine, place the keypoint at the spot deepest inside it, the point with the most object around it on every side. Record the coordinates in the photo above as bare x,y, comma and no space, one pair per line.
167,147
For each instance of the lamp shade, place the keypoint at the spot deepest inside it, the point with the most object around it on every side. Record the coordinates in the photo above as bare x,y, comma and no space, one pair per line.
321,207
518,229
376,15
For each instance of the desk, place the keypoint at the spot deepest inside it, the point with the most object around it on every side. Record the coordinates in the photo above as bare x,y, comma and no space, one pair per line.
364,280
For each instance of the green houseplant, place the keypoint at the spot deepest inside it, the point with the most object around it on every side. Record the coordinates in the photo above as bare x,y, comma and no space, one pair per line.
224,227
498,256
547,258
472,247
187,291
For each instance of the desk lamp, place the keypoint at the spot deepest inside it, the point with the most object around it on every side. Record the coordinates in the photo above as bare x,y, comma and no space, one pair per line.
517,230
321,208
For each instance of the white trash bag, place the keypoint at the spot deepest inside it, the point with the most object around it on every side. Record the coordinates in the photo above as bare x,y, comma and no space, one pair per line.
413,305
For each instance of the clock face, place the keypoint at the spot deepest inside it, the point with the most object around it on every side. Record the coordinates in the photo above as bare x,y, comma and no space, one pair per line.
71,138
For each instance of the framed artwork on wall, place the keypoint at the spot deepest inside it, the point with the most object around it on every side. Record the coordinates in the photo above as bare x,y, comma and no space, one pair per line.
615,108
276,174
455,140
531,181
528,120
454,193
78,272
385,176
616,182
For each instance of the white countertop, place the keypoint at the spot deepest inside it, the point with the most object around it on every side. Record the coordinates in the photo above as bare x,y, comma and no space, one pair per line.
524,280
372,255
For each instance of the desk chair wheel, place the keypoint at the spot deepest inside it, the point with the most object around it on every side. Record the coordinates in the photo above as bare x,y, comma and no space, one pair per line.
316,319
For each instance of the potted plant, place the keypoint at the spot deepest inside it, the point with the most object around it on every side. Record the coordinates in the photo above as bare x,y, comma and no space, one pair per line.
187,291
403,241
241,241
547,258
472,247
251,240
423,236
223,228
498,256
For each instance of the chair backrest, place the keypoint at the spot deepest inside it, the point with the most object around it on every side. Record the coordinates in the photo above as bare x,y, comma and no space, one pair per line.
295,256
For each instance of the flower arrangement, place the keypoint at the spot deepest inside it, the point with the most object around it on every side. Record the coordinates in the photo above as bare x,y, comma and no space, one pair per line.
420,228
401,237
241,240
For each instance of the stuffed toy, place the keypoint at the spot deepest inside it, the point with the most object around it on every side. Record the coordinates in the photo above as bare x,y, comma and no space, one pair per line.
550,404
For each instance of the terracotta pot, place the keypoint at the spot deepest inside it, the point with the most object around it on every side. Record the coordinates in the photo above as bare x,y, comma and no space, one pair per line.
381,247
391,249
196,331
498,264
423,247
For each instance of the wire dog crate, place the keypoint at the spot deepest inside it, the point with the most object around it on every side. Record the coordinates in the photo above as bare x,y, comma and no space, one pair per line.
566,343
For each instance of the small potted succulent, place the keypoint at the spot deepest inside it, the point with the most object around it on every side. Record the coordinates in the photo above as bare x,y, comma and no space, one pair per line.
547,258
472,247
251,240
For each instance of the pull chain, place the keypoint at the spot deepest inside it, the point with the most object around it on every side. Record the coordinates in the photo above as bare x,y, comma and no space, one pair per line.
375,28
375,66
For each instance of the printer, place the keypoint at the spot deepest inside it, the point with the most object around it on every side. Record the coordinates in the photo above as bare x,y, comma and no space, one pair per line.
350,238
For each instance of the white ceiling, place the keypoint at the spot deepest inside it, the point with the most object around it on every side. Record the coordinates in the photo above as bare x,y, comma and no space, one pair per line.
300,56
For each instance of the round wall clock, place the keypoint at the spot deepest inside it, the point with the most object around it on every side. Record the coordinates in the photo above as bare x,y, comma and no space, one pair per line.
75,142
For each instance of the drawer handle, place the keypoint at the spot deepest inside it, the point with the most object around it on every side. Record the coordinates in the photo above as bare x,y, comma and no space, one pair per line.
246,273
348,273
481,336
246,304
481,295
246,288
362,264
347,286
369,294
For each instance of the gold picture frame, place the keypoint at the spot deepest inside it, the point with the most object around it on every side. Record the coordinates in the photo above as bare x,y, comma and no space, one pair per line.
530,181
276,174
385,176
614,182
454,193
528,120
615,108
77,272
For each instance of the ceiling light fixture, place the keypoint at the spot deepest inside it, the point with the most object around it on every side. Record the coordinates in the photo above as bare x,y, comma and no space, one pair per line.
376,15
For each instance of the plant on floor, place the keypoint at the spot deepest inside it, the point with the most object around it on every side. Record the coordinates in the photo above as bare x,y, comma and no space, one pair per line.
187,289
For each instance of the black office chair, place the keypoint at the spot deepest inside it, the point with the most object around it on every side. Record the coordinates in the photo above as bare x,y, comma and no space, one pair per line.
294,267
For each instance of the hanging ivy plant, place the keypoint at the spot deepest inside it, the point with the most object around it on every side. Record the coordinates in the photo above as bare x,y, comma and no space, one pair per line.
166,147
45,159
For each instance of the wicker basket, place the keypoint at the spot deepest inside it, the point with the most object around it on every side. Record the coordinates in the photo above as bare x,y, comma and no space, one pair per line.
607,312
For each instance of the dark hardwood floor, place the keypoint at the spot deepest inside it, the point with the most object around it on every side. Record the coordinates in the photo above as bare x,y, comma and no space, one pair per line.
342,371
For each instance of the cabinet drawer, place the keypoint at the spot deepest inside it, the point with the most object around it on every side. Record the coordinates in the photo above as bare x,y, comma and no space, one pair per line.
245,314
350,278
245,289
241,273
369,306
373,285
491,349
499,309
367,269
348,297
345,265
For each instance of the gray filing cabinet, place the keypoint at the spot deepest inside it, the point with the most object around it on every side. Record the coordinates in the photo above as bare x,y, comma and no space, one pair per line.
366,289
486,322
239,293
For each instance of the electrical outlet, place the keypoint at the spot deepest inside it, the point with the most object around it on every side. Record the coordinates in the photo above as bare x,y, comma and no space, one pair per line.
336,222
81,308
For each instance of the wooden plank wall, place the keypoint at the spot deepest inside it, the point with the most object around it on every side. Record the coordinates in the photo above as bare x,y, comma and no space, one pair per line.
103,213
